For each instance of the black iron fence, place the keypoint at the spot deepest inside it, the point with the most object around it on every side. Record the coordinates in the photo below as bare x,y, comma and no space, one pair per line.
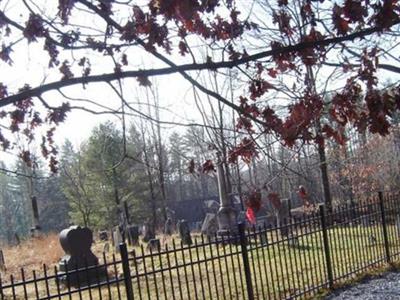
297,259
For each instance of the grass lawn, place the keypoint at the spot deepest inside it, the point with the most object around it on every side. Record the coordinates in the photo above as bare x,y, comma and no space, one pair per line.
280,268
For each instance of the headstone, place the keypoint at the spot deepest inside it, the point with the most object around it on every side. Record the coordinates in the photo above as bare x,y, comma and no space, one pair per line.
133,234
293,241
170,213
211,206
263,238
106,248
103,235
241,217
154,245
35,231
184,232
2,261
365,220
168,227
76,242
210,225
226,215
148,232
372,239
117,238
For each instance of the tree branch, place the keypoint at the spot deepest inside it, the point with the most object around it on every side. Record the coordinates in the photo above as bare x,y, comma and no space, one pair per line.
386,67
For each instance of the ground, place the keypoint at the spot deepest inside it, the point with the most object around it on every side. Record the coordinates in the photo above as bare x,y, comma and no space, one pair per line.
31,254
385,287
280,269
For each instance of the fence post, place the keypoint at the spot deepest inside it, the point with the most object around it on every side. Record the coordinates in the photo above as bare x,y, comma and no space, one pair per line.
326,246
127,272
245,258
384,226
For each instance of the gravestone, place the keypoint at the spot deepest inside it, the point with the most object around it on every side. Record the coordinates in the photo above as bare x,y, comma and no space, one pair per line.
35,231
154,245
227,214
171,214
103,235
263,238
2,261
133,234
293,241
76,242
184,232
241,217
211,206
210,225
372,239
365,220
148,232
168,227
117,238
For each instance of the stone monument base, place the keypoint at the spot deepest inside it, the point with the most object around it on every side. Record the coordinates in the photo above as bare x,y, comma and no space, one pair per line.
227,223
80,272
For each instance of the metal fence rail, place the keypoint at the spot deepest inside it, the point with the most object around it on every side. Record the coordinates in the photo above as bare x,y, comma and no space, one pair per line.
294,260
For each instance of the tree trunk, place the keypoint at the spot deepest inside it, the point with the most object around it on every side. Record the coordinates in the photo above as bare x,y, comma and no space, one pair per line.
324,176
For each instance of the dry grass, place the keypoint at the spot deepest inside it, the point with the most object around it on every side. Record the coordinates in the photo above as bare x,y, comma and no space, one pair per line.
278,270
31,254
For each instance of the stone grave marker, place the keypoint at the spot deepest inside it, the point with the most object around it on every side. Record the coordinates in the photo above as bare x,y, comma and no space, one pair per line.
35,231
226,215
293,241
372,239
148,232
168,227
184,232
133,234
2,261
103,235
210,225
117,238
241,217
154,245
263,238
76,242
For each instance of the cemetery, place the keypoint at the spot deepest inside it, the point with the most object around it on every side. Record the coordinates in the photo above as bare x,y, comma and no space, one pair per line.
199,149
293,259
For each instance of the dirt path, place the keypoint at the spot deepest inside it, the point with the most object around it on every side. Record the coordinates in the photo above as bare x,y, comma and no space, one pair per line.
386,287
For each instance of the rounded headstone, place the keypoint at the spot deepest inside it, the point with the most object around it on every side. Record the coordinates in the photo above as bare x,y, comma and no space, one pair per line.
76,240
